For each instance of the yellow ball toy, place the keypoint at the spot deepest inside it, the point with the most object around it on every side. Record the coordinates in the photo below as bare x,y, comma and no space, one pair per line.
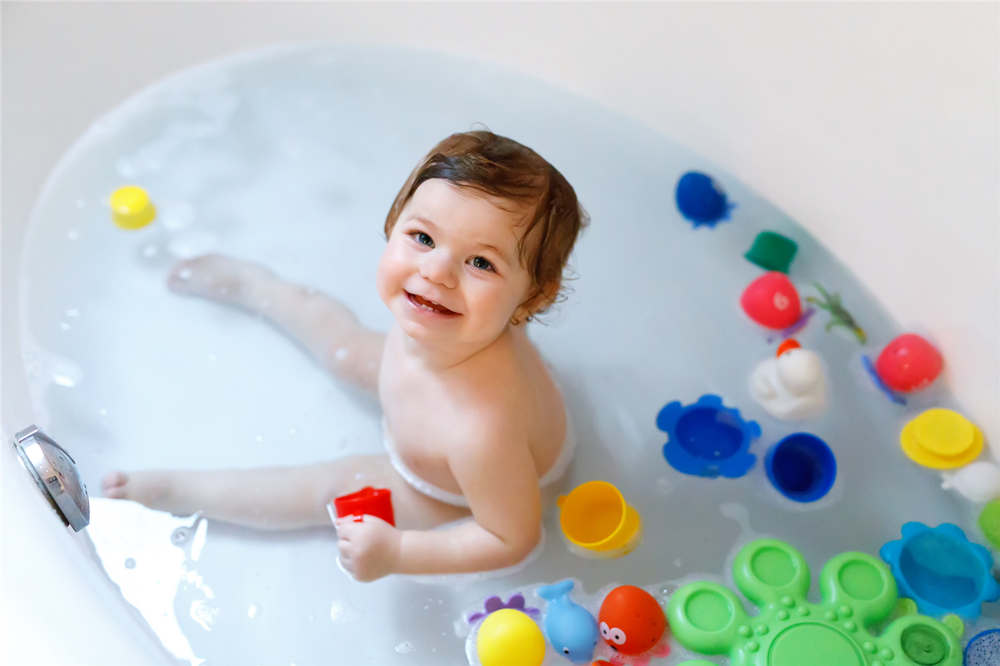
508,637
131,208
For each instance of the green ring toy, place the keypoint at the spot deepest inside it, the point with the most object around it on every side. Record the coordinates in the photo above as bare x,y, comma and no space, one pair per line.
857,590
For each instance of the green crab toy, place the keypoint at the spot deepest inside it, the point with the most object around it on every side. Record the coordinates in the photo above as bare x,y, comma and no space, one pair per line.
858,591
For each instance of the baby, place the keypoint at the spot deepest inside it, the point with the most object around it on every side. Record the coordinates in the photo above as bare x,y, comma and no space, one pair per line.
477,240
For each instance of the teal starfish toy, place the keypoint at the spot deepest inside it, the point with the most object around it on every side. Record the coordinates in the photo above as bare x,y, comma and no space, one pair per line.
858,591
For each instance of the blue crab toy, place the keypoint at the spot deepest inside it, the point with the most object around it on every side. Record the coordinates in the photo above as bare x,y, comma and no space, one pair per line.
941,570
707,439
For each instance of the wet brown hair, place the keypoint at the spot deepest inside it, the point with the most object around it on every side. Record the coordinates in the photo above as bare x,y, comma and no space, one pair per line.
504,168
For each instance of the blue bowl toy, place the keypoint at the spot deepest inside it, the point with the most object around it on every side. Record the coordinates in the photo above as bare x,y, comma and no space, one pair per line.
707,439
941,570
801,467
983,649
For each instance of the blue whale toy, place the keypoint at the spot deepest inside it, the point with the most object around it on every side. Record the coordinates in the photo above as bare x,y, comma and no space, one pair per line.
570,627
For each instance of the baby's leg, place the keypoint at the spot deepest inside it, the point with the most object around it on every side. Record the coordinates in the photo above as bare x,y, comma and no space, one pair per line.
321,324
278,498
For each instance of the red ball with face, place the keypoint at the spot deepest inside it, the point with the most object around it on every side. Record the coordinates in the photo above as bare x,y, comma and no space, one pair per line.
631,621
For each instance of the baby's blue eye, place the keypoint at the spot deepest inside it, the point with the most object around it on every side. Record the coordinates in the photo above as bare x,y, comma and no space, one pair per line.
482,264
424,239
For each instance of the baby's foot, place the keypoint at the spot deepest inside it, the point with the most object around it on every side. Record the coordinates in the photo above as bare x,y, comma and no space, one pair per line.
217,277
148,488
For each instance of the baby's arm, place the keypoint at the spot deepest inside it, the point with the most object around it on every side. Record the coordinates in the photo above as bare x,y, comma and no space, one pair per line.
327,329
495,469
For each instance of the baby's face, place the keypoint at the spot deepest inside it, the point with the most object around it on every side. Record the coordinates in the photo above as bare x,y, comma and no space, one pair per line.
450,271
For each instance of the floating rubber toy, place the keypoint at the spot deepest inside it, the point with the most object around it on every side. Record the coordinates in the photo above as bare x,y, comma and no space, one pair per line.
510,638
772,251
131,207
941,439
631,620
941,570
700,200
772,301
839,316
989,523
791,386
909,363
598,522
787,345
707,439
801,467
494,603
983,649
367,502
571,629
977,482
858,591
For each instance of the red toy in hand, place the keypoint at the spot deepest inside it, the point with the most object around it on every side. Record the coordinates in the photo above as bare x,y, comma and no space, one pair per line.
367,501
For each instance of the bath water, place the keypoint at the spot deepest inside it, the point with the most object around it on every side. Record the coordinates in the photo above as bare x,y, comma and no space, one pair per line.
291,157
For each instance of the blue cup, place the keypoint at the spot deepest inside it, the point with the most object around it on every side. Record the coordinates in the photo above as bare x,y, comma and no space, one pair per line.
801,467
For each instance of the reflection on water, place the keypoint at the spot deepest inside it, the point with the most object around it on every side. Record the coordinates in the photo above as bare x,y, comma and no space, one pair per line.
154,570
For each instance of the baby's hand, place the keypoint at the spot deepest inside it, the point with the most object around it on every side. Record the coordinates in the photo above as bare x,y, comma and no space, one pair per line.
368,549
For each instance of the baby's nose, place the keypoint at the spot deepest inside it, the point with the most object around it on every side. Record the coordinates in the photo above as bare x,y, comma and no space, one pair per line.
437,267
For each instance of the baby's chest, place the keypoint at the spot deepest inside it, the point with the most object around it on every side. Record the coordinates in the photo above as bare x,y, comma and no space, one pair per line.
418,419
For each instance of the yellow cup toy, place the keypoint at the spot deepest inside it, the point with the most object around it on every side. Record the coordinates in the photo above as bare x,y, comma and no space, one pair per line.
941,439
131,207
597,522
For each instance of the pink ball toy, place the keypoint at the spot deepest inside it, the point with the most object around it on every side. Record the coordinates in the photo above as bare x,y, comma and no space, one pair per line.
908,363
772,301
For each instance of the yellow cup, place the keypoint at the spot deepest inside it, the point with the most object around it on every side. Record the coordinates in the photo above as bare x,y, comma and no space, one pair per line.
941,439
597,522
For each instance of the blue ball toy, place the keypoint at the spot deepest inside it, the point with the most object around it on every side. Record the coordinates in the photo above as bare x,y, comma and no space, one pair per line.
700,200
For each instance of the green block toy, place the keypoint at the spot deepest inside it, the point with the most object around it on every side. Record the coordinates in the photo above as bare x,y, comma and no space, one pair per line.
772,251
858,591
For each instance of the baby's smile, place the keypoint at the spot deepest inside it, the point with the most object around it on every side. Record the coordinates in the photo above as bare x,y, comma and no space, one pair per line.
426,305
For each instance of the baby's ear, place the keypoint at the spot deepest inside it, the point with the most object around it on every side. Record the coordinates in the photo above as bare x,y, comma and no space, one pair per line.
543,298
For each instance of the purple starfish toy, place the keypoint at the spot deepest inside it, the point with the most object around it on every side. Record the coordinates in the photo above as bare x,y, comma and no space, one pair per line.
495,603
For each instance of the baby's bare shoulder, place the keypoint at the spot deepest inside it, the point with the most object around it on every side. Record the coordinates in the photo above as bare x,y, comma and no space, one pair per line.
488,444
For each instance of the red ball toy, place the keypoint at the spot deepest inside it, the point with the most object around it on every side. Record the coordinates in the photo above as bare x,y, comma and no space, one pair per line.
908,363
772,301
631,621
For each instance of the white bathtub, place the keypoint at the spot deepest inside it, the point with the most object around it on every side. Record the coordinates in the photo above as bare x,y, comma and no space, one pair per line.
923,183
